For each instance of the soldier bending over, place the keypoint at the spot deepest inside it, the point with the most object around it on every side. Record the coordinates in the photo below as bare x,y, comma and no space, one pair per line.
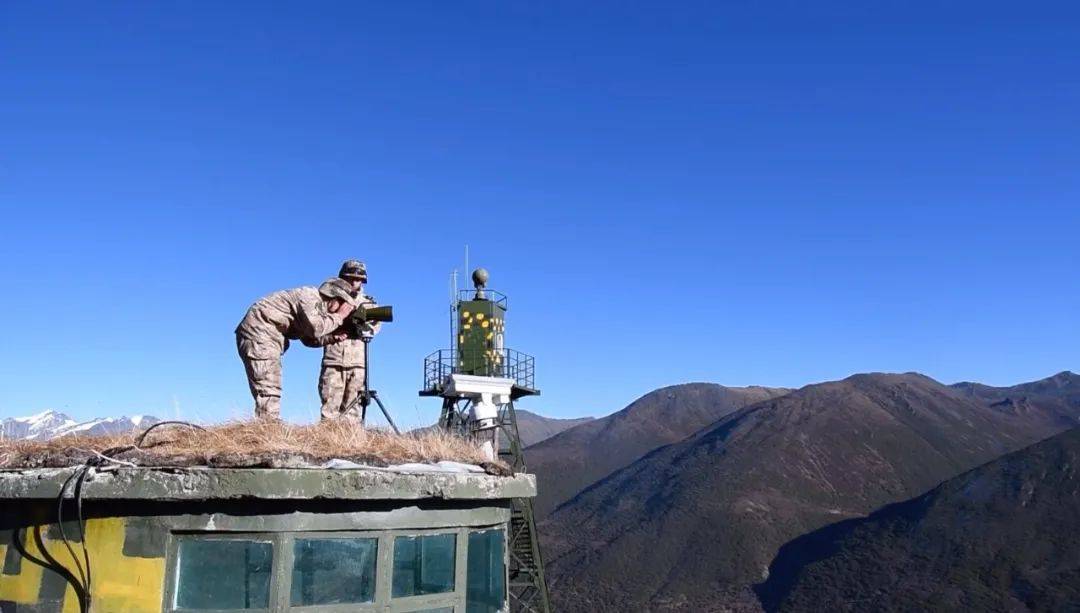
264,333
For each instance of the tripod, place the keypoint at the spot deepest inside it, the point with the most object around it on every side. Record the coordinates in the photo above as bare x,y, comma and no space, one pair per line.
367,394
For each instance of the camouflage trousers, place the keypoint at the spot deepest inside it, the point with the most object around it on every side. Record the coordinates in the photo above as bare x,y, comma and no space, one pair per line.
264,381
338,388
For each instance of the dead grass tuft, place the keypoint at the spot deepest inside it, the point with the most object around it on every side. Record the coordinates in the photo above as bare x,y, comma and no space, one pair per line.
255,443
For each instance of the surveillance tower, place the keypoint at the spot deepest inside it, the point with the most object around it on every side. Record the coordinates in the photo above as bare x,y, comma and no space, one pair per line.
479,380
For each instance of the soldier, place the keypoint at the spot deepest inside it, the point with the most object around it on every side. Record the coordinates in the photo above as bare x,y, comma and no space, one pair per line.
264,333
341,379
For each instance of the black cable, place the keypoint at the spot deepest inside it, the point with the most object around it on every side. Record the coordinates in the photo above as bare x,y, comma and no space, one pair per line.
79,475
142,437
82,532
60,524
48,561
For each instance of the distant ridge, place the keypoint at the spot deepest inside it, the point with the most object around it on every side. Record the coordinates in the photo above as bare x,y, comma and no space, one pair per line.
1052,401
533,428
51,424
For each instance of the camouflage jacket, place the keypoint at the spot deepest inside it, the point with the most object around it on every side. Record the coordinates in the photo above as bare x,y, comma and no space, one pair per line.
288,314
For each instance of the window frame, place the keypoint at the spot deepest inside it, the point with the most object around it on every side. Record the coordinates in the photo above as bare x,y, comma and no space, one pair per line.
505,530
282,544
172,576
289,559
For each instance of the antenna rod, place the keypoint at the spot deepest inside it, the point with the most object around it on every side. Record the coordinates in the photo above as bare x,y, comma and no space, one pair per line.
453,305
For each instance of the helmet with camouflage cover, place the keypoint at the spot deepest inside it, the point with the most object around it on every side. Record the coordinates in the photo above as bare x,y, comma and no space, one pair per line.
335,287
353,269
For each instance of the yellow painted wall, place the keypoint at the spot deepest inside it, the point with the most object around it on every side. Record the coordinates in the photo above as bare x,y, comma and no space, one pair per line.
120,584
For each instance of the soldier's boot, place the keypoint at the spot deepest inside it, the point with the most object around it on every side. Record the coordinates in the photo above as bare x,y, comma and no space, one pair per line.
268,407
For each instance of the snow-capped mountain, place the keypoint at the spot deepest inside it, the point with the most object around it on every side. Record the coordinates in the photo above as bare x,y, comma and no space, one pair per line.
51,424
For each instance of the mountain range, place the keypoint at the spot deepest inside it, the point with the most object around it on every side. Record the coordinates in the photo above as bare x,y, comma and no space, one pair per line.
51,424
693,524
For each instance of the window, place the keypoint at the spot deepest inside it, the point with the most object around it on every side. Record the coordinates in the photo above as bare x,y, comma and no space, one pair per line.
424,564
458,569
486,589
223,574
333,571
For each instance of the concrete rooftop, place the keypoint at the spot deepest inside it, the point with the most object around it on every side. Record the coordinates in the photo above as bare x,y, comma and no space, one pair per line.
200,483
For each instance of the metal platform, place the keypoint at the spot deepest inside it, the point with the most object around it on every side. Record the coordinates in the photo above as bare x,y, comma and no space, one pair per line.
507,363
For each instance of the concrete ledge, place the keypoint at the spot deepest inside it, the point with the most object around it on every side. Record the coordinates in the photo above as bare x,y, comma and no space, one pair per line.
264,483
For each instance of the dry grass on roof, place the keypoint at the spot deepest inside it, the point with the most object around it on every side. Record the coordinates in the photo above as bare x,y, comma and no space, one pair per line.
255,443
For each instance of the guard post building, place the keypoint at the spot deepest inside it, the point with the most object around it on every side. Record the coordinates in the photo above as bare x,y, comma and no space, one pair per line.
311,540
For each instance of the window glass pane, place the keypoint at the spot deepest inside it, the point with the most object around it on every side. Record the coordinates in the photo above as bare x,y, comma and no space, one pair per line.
223,574
486,589
424,564
442,610
333,571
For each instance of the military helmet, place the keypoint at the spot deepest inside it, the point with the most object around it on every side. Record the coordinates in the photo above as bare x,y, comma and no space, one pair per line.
353,269
335,287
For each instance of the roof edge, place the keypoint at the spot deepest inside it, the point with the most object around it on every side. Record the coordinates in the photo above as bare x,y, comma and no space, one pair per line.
201,483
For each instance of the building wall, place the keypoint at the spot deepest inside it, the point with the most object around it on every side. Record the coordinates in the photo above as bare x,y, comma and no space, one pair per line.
129,553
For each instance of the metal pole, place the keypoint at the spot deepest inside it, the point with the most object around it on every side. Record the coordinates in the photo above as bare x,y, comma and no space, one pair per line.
368,394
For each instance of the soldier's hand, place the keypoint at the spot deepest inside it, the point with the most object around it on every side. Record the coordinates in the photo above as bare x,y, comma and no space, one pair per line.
346,309
337,337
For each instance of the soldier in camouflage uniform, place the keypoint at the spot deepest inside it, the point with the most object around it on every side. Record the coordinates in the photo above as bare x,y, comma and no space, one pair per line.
342,376
264,333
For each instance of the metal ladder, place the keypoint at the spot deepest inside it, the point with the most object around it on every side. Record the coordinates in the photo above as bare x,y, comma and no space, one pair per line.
527,587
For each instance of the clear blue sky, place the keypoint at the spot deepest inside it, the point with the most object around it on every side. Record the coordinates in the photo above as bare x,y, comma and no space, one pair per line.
667,192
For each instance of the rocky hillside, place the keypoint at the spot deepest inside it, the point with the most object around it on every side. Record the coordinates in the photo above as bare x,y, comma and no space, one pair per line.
1003,537
569,462
695,523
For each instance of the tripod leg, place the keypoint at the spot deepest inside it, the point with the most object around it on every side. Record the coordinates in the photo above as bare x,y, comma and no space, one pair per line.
386,414
358,401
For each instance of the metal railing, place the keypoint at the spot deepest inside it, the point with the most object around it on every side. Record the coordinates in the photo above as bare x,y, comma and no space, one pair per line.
489,294
506,363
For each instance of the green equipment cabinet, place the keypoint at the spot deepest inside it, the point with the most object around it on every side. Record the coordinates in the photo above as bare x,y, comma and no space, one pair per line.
481,329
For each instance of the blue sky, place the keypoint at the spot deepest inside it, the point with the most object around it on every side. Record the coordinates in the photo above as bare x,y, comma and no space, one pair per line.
668,192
